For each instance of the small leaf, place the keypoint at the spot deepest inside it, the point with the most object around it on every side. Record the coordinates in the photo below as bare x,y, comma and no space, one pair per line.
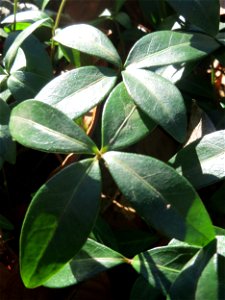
11,53
92,259
25,85
159,99
122,123
77,91
58,221
39,126
161,197
161,266
90,40
169,47
202,13
5,224
202,161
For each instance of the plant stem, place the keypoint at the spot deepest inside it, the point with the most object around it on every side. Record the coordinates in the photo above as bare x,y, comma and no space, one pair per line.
14,13
57,20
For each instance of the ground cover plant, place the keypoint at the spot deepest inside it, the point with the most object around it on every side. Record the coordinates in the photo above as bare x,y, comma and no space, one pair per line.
120,121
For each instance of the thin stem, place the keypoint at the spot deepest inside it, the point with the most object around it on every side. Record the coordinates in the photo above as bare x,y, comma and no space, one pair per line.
14,14
57,20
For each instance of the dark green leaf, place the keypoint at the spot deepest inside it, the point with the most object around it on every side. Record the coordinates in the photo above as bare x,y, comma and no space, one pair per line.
159,99
169,47
90,40
142,290
202,277
11,53
79,90
161,196
122,123
58,221
25,85
5,224
202,161
92,259
202,13
161,266
39,126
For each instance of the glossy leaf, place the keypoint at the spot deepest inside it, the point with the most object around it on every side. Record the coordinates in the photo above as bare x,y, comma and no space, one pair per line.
202,277
122,122
169,47
161,197
11,53
39,126
202,161
92,259
202,13
27,16
161,266
58,222
25,85
159,99
90,40
77,91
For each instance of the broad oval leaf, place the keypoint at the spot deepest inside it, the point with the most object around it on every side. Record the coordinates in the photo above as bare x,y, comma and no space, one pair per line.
161,266
122,123
90,40
92,259
79,90
202,13
27,16
39,126
161,197
59,220
159,99
202,161
25,85
11,53
169,47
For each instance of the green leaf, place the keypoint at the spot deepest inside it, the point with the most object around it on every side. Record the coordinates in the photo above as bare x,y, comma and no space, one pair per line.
12,51
202,13
202,277
142,290
161,197
90,40
122,122
30,16
169,47
159,99
25,85
161,266
7,146
92,259
39,126
77,91
58,221
202,161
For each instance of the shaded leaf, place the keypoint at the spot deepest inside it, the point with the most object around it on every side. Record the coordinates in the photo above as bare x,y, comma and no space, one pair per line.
161,196
90,40
161,266
39,126
159,99
25,85
202,13
169,47
5,223
12,51
92,259
77,91
142,290
202,161
122,122
58,222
